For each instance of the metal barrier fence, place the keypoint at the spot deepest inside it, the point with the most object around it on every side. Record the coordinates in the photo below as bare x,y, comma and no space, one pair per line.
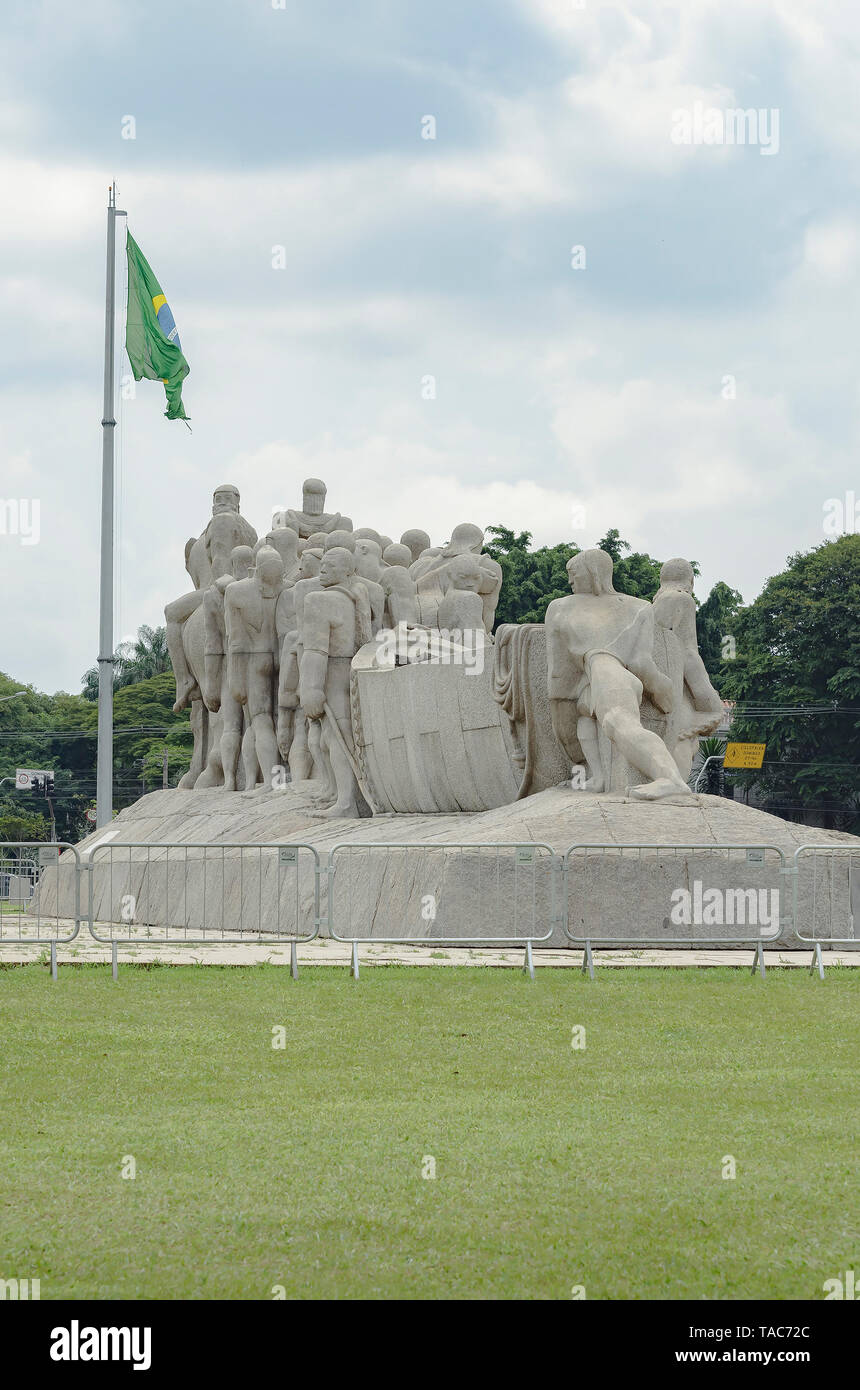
431,894
440,894
29,869
826,898
671,890
196,894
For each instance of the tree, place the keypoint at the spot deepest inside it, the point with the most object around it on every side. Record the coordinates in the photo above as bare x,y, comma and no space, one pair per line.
133,661
716,621
799,644
530,578
533,578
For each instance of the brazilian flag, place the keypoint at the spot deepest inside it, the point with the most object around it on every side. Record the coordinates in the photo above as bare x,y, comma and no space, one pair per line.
151,336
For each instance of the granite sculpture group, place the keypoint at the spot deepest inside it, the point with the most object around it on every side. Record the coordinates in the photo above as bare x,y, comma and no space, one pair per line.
369,669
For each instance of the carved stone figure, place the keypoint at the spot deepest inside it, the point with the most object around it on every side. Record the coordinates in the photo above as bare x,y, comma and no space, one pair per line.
699,708
462,608
600,659
225,744
368,568
417,540
252,659
207,558
335,624
401,600
312,520
432,575
286,541
292,725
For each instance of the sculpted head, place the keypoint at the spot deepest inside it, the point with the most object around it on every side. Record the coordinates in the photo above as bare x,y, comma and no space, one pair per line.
309,565
344,539
313,496
241,561
590,572
677,574
286,541
225,499
367,533
268,569
464,572
465,539
397,555
317,540
368,559
336,566
417,540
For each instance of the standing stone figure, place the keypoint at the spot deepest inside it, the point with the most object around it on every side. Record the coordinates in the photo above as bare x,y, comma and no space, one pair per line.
417,540
223,760
336,622
252,659
286,541
292,724
206,559
600,658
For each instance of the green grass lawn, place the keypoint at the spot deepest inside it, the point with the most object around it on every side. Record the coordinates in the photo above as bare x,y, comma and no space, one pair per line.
302,1167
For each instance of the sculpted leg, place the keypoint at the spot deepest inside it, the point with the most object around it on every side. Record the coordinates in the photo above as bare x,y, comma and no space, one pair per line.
318,746
231,741
176,615
301,764
347,790
249,759
586,729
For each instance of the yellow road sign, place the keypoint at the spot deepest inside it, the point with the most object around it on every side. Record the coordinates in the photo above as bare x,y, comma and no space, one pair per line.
744,754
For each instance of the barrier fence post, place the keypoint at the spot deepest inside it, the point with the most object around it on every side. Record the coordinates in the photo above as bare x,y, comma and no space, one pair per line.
587,961
53,960
817,962
353,965
758,962
294,961
528,963
114,963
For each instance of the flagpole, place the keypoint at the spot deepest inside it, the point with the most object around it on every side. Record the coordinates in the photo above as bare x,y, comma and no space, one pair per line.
104,759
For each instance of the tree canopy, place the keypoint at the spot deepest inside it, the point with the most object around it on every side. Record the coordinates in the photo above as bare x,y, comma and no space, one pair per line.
798,644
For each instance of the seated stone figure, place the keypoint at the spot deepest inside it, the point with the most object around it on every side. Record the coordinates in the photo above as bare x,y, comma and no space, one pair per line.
311,520
250,607
600,659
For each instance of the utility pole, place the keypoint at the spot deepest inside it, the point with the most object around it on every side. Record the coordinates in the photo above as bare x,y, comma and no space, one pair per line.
104,757
164,758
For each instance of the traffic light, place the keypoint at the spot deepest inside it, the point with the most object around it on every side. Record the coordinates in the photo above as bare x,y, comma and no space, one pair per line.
43,784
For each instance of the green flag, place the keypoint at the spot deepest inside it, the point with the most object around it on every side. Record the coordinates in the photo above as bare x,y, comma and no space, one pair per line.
151,336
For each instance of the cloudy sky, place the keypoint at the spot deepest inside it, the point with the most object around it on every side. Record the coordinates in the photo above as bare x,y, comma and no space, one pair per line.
693,383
